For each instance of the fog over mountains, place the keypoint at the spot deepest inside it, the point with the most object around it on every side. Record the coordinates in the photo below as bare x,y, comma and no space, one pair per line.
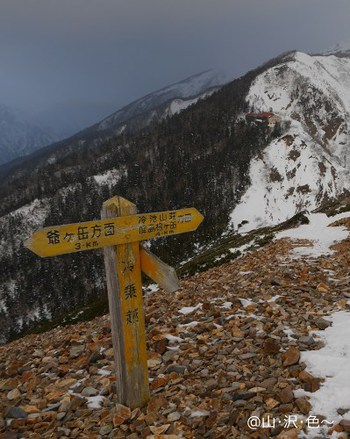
22,134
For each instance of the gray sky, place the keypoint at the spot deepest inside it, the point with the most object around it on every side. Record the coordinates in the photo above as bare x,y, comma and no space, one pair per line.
110,52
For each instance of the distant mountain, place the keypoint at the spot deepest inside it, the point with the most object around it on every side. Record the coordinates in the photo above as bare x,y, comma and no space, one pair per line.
20,135
130,119
157,105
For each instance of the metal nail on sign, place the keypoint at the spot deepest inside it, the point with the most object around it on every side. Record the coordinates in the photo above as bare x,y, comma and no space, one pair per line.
120,232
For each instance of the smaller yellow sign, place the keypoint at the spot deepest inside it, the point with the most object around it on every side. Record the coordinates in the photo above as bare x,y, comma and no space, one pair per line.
71,238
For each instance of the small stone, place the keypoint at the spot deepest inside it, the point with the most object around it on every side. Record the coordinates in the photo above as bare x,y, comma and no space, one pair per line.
269,383
9,435
271,403
168,356
13,394
89,391
157,402
9,384
311,384
94,356
243,395
239,403
246,356
345,423
271,346
154,362
65,406
161,345
145,432
68,382
160,429
322,323
342,412
30,409
237,332
176,368
322,288
286,395
120,414
76,402
307,339
60,416
276,282
285,408
15,412
75,351
159,382
105,429
38,353
174,416
62,431
303,405
291,356
288,434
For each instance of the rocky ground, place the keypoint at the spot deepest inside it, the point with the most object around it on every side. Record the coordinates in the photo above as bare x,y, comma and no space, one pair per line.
236,355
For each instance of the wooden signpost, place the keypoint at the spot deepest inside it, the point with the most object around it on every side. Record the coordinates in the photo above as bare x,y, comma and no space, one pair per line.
120,232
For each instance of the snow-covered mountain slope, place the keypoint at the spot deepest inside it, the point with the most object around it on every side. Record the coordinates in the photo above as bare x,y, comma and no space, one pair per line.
19,135
310,161
167,101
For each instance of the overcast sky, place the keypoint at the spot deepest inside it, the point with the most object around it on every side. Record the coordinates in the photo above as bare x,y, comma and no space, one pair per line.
56,52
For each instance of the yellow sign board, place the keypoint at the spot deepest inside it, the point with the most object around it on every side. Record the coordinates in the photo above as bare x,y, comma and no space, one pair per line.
90,235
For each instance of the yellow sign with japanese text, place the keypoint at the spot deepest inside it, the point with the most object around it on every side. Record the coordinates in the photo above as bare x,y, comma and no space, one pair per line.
90,235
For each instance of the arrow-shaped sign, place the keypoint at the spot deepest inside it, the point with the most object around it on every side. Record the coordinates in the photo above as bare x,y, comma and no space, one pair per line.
160,272
71,238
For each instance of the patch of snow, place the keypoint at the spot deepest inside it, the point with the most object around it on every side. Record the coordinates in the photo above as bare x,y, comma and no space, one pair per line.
289,332
317,231
104,372
245,302
332,363
95,402
226,305
110,177
199,413
273,299
173,338
180,104
186,325
151,288
189,309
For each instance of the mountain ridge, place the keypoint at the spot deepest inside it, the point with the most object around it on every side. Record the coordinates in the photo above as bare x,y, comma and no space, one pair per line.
131,118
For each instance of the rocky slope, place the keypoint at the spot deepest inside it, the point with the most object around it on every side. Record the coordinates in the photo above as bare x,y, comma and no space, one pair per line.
226,347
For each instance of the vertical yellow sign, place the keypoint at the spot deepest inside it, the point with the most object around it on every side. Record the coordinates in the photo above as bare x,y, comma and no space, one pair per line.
123,270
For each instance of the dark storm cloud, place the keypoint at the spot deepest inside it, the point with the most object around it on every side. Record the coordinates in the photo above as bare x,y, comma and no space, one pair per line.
110,51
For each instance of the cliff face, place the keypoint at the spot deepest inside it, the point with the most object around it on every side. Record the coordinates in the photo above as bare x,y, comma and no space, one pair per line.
310,161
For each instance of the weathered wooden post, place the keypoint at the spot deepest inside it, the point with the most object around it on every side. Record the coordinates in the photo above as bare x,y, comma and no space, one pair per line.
120,232
123,272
